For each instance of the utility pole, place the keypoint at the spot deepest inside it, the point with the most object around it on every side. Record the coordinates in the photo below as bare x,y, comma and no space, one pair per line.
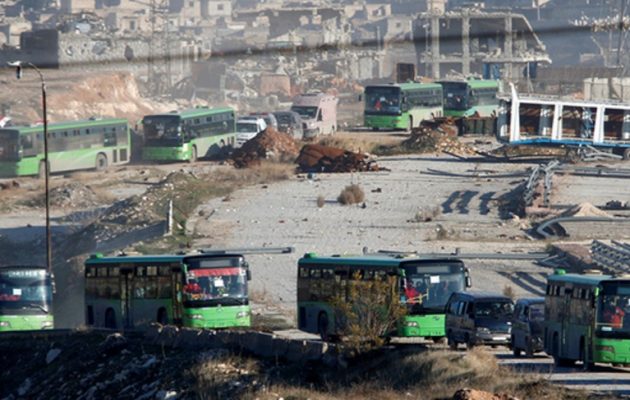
159,74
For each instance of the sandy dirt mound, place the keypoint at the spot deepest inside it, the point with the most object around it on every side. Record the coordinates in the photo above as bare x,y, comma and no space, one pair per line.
110,95
585,210
267,145
318,158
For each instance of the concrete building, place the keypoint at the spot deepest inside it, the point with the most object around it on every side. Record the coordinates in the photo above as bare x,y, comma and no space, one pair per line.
476,42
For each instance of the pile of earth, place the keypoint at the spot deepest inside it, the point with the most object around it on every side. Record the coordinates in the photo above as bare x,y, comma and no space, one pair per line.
436,138
69,195
318,158
267,145
132,214
585,210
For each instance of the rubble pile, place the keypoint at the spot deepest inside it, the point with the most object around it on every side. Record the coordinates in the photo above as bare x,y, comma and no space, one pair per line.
267,145
473,394
585,210
436,138
73,195
318,158
9,185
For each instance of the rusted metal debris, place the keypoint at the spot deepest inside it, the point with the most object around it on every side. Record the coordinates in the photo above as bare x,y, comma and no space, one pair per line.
318,158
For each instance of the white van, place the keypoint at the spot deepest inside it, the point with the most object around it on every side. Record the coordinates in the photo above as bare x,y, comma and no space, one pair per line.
319,113
247,128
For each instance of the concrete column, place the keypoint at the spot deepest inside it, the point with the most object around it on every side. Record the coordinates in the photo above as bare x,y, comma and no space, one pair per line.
556,126
466,45
508,45
502,120
544,126
435,46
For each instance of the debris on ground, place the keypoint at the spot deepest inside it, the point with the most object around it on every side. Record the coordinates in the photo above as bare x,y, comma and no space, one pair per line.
9,185
267,145
438,138
528,151
472,394
616,205
318,158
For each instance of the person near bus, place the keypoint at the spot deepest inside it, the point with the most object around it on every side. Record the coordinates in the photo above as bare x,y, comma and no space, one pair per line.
412,294
613,314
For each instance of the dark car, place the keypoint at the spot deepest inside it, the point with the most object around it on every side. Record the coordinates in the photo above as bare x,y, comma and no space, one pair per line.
477,318
289,122
527,326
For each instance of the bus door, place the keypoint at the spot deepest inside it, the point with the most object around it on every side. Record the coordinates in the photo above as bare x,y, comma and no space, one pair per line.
177,293
565,313
126,296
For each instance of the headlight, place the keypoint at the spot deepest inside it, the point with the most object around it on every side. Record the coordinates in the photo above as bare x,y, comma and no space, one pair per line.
483,330
5,324
605,348
242,314
47,324
196,316
412,324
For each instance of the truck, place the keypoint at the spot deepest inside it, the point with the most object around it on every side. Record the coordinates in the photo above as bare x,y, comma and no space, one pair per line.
318,111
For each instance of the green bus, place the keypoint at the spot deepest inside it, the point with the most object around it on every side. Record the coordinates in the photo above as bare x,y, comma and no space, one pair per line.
467,98
200,291
188,135
431,280
401,105
25,298
93,143
587,318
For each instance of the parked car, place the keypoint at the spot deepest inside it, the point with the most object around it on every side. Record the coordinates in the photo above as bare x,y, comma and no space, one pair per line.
477,318
319,113
289,122
269,118
247,128
527,326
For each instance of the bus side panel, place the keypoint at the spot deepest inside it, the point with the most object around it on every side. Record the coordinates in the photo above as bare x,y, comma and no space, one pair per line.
144,312
157,153
310,312
26,166
99,310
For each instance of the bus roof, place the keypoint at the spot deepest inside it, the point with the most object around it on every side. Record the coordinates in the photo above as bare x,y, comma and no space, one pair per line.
157,258
582,279
408,85
476,83
194,112
66,125
370,260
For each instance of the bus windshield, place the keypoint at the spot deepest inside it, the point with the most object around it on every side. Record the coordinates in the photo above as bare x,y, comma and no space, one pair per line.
382,100
305,111
162,127
205,286
428,287
455,95
24,292
613,314
9,150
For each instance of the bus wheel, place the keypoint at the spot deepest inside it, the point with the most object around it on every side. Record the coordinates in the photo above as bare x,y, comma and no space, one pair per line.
110,319
101,162
162,316
41,171
322,326
193,155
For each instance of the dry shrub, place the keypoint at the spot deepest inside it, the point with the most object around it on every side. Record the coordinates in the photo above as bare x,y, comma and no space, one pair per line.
351,194
367,312
508,291
321,201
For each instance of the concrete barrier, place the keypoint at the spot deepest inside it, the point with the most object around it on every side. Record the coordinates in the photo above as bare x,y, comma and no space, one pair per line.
260,344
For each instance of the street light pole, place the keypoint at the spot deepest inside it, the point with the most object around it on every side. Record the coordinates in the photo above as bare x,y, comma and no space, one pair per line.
18,65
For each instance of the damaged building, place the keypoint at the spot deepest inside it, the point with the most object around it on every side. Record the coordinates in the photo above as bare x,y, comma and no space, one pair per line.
496,45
